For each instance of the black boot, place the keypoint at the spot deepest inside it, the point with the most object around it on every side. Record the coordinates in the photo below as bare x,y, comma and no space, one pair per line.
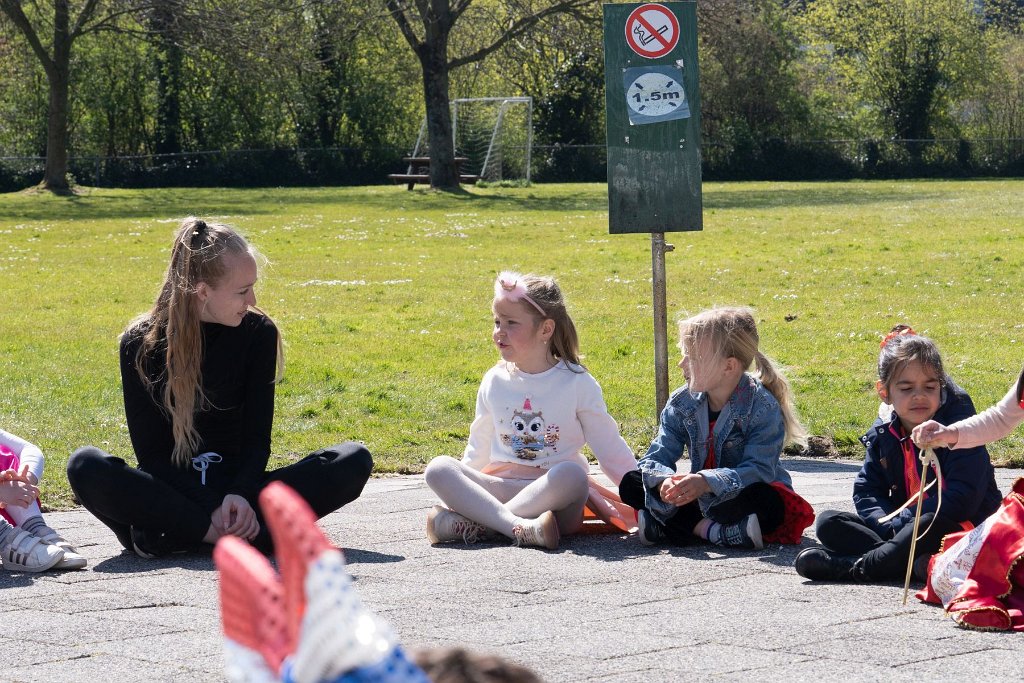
818,564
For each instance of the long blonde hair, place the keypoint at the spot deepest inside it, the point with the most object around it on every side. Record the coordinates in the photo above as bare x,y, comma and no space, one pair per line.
731,332
172,327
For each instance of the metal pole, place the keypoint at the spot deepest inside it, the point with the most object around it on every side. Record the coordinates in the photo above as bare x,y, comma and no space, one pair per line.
658,251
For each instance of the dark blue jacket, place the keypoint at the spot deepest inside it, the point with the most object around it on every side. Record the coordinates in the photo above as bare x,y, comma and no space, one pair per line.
970,493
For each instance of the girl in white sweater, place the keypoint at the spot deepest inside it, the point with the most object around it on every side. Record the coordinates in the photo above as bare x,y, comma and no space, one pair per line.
522,474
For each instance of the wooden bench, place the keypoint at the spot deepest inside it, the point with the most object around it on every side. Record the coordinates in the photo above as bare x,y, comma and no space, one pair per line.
419,172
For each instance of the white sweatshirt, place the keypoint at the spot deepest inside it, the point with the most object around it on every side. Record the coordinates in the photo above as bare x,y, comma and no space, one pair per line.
991,424
27,453
544,419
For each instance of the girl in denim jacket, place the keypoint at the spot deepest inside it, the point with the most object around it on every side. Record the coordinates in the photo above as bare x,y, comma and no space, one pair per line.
733,424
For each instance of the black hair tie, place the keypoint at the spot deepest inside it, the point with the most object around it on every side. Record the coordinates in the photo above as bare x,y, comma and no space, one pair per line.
198,229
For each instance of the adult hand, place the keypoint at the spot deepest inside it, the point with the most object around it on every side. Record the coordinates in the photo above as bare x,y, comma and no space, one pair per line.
238,518
932,434
683,489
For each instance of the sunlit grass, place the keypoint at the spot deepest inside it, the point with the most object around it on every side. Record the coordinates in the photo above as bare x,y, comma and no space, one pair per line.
383,299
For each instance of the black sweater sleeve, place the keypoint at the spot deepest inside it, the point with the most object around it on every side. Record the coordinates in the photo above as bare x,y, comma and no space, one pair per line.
150,429
257,411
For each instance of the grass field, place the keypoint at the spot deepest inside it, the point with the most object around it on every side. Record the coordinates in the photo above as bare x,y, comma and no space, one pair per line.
382,296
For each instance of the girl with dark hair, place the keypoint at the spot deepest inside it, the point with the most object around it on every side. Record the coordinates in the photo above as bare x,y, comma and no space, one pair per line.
198,373
522,474
874,543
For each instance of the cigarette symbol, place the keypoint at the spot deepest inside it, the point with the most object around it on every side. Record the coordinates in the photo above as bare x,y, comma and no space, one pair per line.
645,38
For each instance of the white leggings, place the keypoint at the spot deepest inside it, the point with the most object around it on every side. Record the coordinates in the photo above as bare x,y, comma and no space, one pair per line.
501,504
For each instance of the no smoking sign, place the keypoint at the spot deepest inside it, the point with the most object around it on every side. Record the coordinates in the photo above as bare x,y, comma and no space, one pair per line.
652,30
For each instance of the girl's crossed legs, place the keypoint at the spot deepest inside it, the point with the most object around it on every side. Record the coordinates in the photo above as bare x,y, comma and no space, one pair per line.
503,504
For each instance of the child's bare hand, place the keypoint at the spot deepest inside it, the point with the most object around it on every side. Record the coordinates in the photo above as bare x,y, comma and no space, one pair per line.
20,474
669,487
931,433
17,492
683,489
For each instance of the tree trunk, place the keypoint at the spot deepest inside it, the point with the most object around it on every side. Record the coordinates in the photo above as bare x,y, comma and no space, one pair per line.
163,21
55,177
434,61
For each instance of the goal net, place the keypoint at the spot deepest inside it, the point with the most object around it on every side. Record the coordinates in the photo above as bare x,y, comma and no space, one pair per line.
494,134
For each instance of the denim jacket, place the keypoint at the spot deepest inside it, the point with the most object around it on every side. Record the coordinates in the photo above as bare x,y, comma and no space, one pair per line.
749,436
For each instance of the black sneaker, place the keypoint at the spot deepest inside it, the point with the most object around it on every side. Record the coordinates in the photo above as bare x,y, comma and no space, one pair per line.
745,533
149,544
649,530
818,564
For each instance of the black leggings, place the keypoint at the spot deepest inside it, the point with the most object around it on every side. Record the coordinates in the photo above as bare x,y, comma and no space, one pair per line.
845,533
759,498
122,496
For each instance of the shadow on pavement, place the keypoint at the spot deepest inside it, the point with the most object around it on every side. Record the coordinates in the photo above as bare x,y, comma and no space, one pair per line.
357,556
130,563
809,465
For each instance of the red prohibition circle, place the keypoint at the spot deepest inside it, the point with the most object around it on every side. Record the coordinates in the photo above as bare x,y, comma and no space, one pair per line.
646,23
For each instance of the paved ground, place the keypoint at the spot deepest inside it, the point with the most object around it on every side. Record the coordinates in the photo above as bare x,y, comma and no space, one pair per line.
601,608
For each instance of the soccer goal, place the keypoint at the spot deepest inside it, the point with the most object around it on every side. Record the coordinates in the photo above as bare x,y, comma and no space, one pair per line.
493,134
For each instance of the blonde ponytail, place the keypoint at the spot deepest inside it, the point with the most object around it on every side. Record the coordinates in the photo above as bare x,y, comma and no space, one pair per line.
732,332
776,383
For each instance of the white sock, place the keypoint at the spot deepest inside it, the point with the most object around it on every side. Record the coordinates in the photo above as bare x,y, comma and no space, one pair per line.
35,526
22,515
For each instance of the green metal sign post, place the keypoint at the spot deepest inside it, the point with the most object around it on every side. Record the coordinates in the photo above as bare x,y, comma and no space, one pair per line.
653,125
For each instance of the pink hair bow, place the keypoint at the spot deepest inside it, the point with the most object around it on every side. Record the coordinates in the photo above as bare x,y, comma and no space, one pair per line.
509,286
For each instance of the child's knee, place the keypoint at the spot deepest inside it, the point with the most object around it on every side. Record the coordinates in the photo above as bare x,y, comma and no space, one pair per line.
440,469
826,520
569,476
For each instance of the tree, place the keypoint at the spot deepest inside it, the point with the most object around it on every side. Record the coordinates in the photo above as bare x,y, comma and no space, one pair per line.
907,60
429,28
54,54
749,87
164,20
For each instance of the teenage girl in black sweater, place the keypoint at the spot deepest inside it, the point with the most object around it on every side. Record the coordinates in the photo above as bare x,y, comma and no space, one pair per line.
198,373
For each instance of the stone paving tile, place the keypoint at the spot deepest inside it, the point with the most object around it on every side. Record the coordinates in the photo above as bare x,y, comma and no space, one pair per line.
89,600
178,618
163,649
73,630
31,653
99,668
816,670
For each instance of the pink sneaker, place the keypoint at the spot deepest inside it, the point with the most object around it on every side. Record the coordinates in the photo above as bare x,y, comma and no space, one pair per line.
541,532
